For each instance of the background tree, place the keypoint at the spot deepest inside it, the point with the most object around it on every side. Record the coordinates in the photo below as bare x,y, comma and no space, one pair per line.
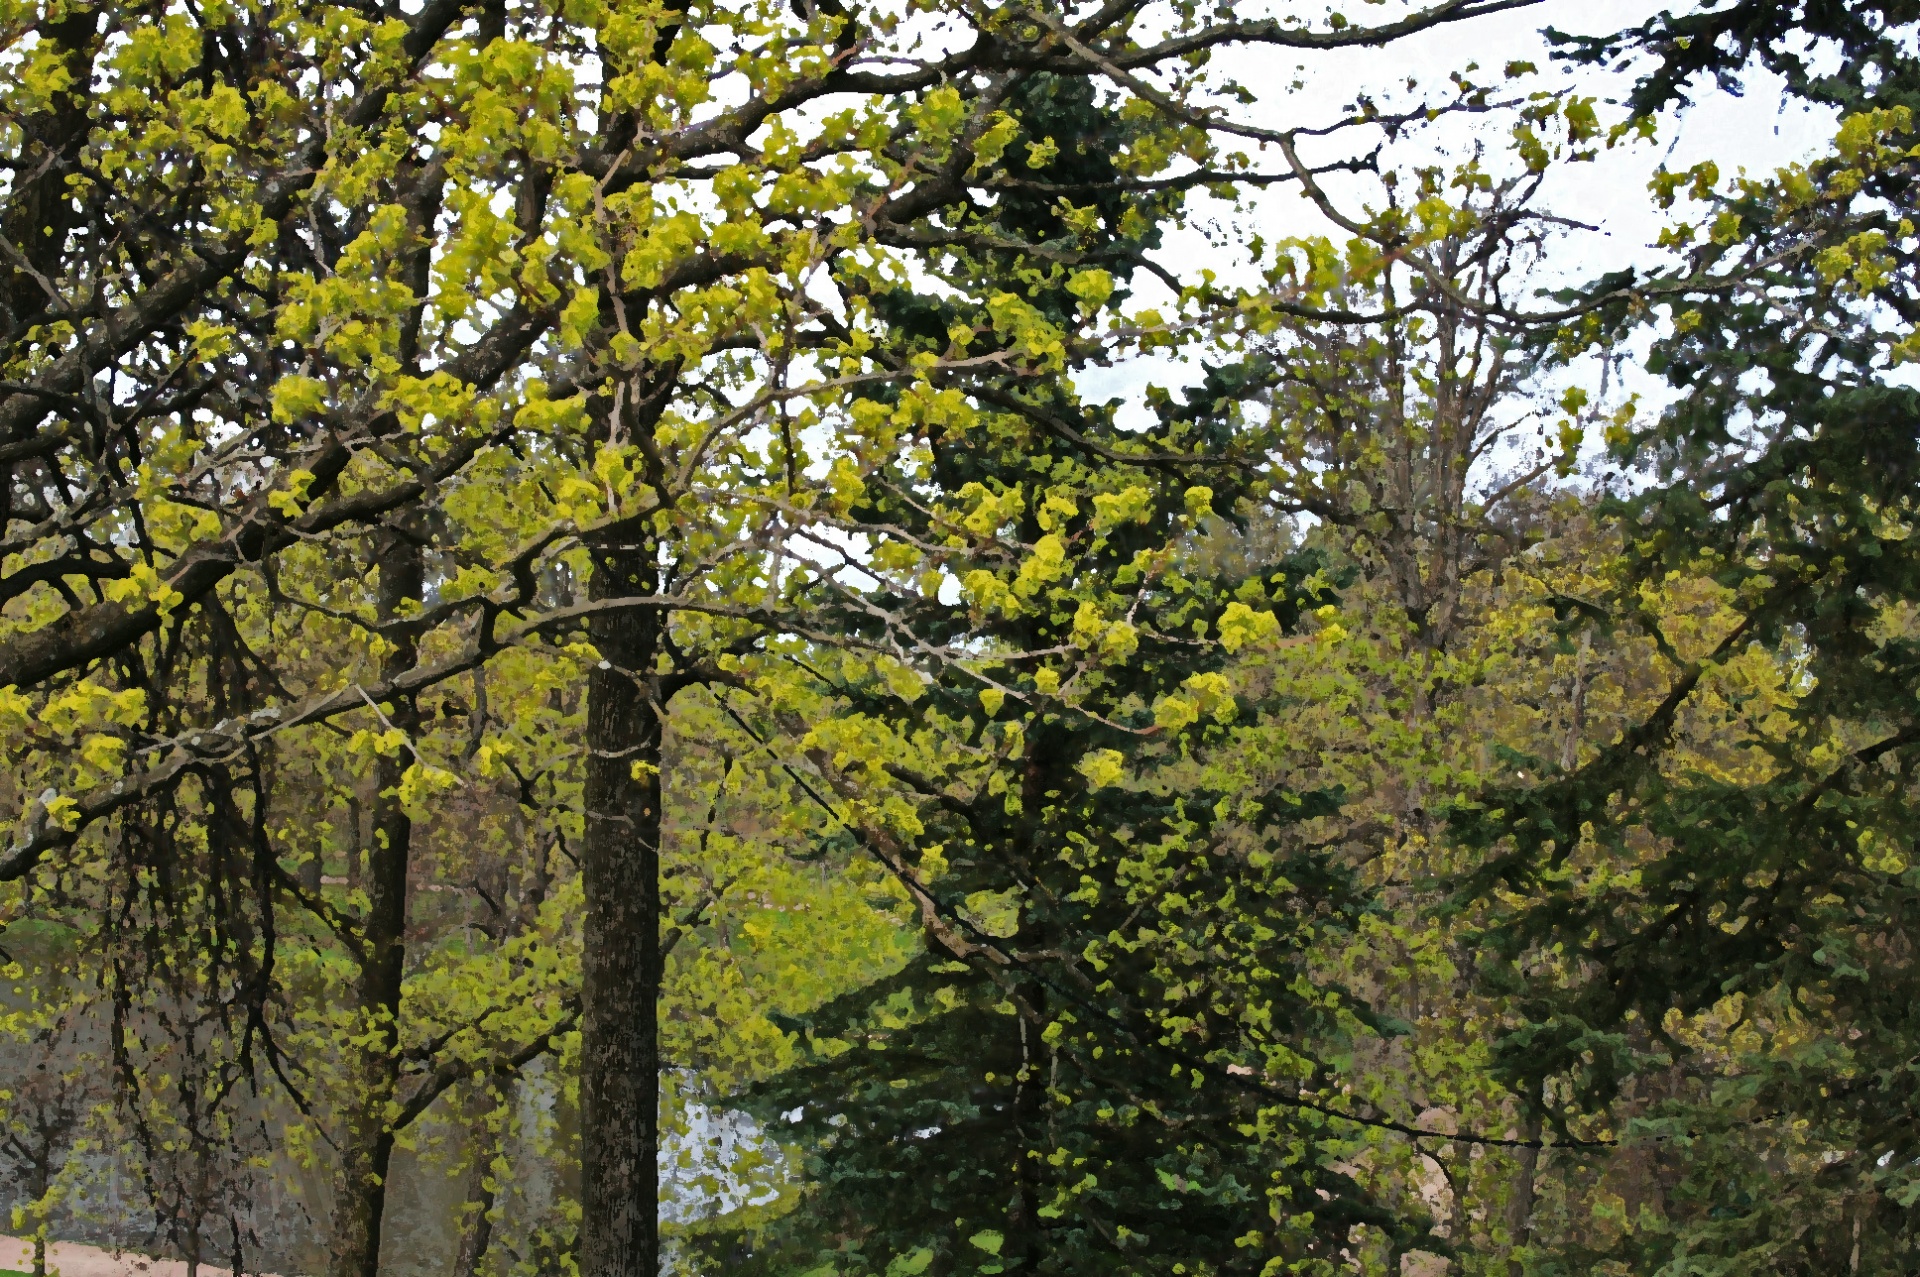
542,545
1734,861
329,283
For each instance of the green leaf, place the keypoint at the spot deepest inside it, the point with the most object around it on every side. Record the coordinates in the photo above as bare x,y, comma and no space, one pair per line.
914,1261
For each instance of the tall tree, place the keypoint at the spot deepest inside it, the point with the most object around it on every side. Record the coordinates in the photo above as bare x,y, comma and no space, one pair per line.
1108,1053
1727,880
309,276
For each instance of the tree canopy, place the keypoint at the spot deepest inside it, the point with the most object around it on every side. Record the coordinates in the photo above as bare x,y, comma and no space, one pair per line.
642,637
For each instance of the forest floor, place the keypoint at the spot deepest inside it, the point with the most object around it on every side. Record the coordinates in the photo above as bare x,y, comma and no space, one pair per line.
71,1259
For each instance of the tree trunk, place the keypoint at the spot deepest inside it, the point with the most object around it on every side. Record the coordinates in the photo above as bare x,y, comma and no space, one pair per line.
1520,1204
356,843
1577,705
367,1147
39,1181
1527,1160
40,212
620,869
476,1233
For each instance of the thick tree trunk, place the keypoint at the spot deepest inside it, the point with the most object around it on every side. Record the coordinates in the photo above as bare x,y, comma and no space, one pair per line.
38,214
366,1150
620,867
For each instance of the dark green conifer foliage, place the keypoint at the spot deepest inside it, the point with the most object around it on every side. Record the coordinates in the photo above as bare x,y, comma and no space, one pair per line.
1851,54
1089,1105
1104,1084
1772,862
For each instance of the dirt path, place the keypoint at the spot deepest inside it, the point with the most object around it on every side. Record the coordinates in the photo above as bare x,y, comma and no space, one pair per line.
71,1259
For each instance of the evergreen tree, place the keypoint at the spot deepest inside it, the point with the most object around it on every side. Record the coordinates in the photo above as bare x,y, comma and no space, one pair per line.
1707,919
1116,1051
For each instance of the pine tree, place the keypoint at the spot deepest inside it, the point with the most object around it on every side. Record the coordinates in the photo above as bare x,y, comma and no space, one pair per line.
1705,922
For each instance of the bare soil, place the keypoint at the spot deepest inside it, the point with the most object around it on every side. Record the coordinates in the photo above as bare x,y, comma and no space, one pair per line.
71,1259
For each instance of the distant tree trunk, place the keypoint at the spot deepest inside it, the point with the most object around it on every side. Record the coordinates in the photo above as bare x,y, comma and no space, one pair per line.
476,1231
356,844
366,1149
39,1182
1520,1202
1526,1174
39,1185
197,1194
1577,705
620,869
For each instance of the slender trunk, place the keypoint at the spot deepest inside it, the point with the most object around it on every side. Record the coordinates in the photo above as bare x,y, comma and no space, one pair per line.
199,1193
1520,1204
1460,1185
1026,1247
1527,1160
1577,705
476,1233
38,1184
366,1150
620,869
356,844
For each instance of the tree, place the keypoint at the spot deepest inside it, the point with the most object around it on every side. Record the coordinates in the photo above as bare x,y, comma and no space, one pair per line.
46,1112
292,288
1108,1053
1850,56
1728,877
1110,889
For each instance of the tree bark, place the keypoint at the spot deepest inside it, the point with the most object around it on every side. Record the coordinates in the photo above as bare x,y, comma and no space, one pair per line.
366,1151
1520,1204
620,868
476,1233
1025,1247
1527,1160
38,215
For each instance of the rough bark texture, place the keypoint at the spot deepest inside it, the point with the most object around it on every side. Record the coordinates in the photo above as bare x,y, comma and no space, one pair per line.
39,211
367,1146
620,867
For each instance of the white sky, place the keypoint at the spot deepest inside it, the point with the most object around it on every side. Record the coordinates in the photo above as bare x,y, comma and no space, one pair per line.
1758,130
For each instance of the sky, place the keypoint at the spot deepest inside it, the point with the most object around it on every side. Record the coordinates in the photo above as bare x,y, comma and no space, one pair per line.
1757,130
